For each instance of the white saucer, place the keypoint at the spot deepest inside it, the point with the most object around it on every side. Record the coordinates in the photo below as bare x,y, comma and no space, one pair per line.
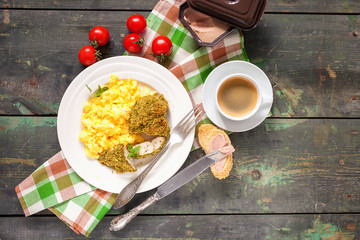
221,72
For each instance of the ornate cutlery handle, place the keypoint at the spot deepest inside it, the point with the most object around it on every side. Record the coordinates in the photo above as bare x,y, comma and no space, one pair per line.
120,221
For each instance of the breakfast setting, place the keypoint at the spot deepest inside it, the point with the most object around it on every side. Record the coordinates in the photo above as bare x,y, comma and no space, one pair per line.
180,119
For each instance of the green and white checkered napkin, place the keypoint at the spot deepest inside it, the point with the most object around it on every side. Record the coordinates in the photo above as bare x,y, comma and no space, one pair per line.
55,186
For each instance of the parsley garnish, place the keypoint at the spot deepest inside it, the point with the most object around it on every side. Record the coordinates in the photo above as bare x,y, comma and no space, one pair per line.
133,151
88,88
99,91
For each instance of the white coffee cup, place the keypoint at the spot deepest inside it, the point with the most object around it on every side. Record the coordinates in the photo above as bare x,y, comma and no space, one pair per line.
238,97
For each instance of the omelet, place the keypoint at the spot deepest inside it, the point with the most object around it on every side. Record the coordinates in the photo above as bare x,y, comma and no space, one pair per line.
105,119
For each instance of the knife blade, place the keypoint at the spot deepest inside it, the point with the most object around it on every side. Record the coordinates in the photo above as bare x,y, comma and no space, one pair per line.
178,180
190,172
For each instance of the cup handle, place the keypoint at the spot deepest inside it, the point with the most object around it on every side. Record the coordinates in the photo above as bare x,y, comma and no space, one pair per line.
266,104
267,100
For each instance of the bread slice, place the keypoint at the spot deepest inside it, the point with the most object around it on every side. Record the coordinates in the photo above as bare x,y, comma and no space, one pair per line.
206,134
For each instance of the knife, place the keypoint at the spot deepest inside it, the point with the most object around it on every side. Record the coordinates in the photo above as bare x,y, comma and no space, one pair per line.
178,180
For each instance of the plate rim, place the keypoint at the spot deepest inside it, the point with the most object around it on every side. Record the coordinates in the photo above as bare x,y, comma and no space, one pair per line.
174,83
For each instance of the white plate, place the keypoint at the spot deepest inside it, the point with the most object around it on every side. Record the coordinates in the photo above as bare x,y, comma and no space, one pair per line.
71,108
221,72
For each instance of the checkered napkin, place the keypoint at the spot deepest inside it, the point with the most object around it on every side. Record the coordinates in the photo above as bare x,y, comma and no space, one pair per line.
55,185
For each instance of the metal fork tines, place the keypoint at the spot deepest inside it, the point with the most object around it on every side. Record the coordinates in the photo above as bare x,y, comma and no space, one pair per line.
183,128
178,134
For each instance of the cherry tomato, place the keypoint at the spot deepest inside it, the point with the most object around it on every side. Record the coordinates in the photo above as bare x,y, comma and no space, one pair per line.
88,55
161,47
136,23
133,43
100,35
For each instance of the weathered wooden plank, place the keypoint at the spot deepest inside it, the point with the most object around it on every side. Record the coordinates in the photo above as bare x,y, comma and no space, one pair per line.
317,6
290,227
314,60
282,166
135,5
39,55
313,6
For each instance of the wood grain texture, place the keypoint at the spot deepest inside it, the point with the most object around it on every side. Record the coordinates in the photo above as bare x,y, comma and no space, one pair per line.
39,55
305,227
312,6
282,166
315,66
312,60
134,5
296,176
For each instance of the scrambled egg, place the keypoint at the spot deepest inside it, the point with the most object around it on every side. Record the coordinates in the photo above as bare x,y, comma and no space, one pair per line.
105,119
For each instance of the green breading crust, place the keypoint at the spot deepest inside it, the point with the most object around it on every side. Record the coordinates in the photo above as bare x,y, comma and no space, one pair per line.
116,159
149,116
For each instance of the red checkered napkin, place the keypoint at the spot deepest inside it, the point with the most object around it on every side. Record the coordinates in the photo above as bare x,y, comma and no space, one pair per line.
55,186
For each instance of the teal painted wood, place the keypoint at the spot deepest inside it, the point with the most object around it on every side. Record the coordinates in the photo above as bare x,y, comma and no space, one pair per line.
282,166
289,173
313,60
290,227
40,55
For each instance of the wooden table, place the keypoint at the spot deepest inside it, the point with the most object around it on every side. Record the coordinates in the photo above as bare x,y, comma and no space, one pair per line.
296,176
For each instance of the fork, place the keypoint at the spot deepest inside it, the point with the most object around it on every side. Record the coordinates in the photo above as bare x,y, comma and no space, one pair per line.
178,134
